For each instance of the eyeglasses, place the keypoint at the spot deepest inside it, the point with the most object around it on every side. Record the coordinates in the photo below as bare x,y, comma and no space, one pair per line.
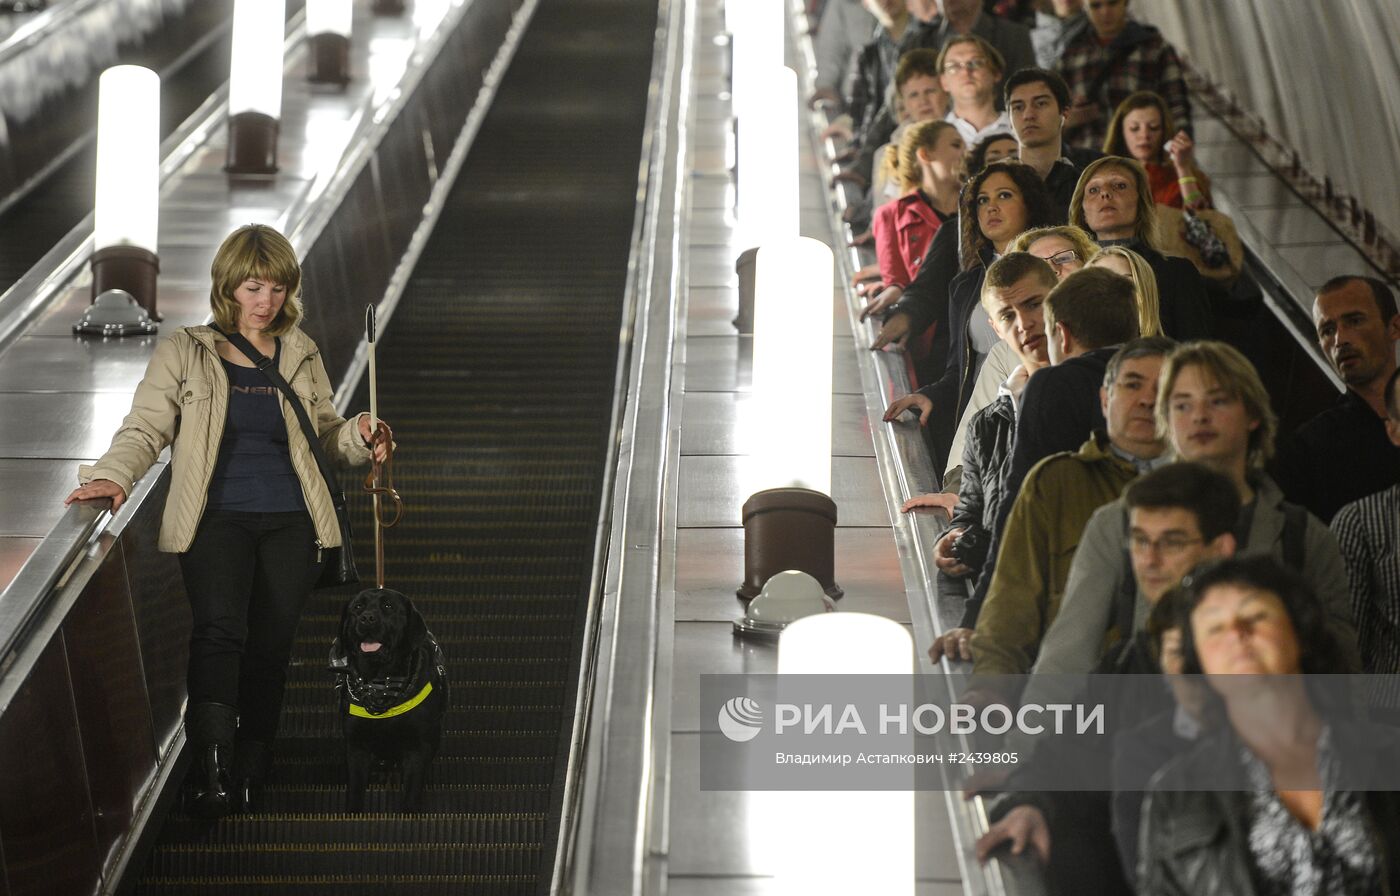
971,65
1060,259
1166,546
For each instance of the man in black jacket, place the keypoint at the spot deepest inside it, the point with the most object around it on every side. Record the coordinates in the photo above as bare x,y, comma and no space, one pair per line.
1038,103
1343,454
1087,316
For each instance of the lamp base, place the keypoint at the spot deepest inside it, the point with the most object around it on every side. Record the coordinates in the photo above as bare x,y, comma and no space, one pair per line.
789,528
130,269
745,266
252,144
330,59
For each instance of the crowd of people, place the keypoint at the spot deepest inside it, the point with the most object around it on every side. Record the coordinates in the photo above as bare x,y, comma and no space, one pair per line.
1119,493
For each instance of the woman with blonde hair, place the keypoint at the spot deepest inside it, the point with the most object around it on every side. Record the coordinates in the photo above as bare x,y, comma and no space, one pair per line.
1113,201
248,511
1122,260
930,155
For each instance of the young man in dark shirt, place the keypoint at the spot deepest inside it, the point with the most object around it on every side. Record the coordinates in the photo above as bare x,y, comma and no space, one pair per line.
1343,454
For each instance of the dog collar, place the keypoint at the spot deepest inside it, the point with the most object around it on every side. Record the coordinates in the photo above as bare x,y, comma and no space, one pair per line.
360,712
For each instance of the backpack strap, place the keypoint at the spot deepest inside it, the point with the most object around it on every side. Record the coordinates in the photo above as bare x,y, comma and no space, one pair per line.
1125,599
1295,535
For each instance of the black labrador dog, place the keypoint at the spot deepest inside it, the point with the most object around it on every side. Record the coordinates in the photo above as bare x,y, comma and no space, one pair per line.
392,686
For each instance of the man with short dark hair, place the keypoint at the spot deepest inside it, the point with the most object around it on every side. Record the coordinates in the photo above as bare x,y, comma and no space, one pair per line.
1343,453
1087,316
1038,103
1368,532
962,17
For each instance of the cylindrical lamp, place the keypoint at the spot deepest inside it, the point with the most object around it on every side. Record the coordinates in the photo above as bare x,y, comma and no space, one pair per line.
328,23
875,850
255,86
790,519
757,26
768,197
125,208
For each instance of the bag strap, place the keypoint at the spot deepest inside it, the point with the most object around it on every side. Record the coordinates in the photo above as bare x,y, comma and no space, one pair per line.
269,370
1295,535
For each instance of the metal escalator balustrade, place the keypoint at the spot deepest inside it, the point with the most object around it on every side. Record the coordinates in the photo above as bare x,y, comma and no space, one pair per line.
497,373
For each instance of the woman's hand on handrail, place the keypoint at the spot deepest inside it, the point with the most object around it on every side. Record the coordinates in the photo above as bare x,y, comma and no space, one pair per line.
98,488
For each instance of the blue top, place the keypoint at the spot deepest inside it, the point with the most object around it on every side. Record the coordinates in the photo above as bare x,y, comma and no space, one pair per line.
254,471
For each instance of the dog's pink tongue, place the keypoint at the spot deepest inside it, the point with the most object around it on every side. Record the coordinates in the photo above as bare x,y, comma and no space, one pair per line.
369,646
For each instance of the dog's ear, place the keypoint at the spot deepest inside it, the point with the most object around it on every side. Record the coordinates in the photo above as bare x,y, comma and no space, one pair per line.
416,627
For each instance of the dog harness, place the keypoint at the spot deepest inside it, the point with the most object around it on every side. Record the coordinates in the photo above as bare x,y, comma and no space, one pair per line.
387,696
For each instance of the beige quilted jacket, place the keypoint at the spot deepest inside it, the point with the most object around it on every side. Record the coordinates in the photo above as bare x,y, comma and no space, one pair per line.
183,399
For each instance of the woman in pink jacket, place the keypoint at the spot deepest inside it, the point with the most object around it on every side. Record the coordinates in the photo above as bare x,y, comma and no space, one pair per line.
930,156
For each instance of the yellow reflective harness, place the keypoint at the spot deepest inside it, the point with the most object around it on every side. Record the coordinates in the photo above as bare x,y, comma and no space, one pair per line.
360,712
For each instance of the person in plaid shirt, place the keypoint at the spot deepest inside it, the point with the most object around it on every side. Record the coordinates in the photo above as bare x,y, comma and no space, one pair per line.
1112,59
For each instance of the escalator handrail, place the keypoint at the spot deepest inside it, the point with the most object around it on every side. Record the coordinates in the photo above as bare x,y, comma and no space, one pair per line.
44,24
612,786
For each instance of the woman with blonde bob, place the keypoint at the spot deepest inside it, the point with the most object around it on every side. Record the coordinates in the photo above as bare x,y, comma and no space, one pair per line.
1113,201
1122,260
248,511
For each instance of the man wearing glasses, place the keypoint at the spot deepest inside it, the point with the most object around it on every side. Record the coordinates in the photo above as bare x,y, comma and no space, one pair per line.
970,70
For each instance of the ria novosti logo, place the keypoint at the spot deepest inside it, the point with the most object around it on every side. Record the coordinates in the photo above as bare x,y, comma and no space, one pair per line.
740,719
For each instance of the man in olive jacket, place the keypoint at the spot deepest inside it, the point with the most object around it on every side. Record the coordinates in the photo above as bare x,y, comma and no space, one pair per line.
1056,500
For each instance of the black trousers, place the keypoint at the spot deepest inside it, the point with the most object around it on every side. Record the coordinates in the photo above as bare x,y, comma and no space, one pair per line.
247,576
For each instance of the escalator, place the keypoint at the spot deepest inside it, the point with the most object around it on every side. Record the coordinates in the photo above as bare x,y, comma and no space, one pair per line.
497,372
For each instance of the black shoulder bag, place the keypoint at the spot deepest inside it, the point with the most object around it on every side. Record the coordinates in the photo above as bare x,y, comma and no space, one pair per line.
338,564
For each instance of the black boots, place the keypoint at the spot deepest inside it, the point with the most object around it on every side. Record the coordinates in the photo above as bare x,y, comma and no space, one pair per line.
210,729
251,763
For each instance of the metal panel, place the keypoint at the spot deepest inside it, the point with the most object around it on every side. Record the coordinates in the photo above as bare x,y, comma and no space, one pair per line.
34,490
46,822
709,565
712,492
14,550
68,364
719,364
721,423
109,692
162,615
720,833
64,424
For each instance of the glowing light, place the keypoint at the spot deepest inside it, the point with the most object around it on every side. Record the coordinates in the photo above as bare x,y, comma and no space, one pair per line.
329,17
875,854
255,80
128,158
792,348
768,197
